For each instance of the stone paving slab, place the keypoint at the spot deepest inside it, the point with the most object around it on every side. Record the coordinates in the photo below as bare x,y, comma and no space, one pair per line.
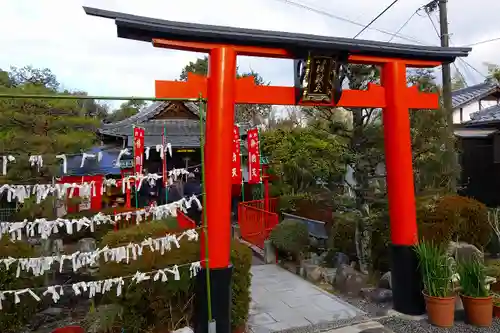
282,301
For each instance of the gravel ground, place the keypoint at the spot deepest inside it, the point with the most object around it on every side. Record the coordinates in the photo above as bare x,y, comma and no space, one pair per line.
401,325
378,312
373,310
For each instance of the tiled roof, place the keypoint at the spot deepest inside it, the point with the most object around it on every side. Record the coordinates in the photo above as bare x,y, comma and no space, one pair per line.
488,115
180,132
467,95
474,133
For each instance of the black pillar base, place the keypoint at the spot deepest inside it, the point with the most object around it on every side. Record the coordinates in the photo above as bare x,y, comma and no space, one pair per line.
406,281
220,283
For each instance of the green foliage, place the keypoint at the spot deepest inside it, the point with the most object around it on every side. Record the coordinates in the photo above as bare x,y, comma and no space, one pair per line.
13,316
452,217
168,306
436,269
126,110
241,258
302,156
287,203
41,126
103,319
342,233
290,236
493,73
472,275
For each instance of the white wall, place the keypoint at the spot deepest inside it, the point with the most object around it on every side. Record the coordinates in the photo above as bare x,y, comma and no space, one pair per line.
469,109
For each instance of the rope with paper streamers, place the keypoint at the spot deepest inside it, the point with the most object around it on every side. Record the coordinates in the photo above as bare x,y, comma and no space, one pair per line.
100,286
86,189
132,251
44,228
36,161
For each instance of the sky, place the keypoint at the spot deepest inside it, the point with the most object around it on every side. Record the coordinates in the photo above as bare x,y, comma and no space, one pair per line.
85,53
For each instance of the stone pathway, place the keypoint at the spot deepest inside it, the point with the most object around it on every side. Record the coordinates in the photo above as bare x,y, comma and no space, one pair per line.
282,301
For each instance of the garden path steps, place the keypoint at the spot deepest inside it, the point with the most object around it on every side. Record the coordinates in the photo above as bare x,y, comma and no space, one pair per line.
282,301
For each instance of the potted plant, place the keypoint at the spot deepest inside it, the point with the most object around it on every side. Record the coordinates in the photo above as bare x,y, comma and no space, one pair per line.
438,289
476,298
496,305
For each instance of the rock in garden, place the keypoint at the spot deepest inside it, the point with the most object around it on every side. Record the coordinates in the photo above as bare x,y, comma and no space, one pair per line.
380,295
464,251
315,274
349,280
87,245
340,259
385,281
366,292
329,275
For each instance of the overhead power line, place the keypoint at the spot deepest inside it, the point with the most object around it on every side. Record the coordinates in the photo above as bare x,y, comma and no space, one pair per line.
403,26
459,59
376,18
484,42
340,18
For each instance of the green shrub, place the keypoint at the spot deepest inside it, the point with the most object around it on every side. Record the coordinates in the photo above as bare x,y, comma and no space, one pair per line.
381,244
168,306
290,236
453,217
439,219
241,258
14,316
288,202
342,234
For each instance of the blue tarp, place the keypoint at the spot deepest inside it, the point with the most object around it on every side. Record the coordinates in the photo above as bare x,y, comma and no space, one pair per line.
91,167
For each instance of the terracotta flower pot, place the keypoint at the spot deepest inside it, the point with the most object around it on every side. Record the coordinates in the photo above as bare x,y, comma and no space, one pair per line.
440,310
478,310
496,311
240,329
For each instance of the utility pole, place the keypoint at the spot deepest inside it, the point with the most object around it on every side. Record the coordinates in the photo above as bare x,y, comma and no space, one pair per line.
446,70
442,6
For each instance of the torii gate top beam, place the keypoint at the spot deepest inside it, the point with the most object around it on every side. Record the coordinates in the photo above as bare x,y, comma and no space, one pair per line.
146,29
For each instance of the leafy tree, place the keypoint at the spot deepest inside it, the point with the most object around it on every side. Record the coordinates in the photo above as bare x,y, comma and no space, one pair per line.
303,158
90,107
362,132
244,112
35,76
200,67
493,73
432,163
458,82
126,110
34,126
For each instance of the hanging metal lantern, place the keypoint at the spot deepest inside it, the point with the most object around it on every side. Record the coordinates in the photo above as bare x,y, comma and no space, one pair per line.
318,79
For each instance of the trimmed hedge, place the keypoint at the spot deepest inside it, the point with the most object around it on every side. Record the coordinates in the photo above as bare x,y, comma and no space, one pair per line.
168,306
14,316
453,217
290,236
439,219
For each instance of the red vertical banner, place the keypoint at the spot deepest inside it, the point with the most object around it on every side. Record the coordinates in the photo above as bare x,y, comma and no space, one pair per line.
236,162
138,149
253,156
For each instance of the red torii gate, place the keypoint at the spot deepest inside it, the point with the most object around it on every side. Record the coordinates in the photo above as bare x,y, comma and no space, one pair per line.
223,91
